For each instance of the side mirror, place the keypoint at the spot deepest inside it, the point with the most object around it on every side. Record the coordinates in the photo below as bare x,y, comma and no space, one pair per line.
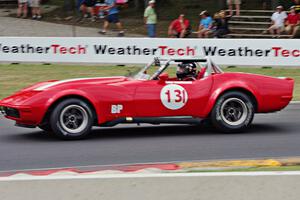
163,77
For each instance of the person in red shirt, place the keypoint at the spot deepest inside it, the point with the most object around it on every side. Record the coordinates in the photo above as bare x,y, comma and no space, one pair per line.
180,27
292,22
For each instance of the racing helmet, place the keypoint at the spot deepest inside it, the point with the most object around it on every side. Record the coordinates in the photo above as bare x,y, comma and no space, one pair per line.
185,70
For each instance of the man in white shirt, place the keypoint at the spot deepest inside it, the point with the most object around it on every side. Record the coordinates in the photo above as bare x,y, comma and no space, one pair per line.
278,20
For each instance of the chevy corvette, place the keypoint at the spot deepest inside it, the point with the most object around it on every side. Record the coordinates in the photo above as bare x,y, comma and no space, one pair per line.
70,108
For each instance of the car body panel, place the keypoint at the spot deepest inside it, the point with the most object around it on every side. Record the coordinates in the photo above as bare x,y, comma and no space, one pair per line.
143,98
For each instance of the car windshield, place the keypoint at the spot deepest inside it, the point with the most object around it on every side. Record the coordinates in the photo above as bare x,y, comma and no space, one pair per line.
147,72
157,67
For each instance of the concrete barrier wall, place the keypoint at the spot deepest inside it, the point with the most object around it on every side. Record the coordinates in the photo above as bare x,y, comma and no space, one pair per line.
210,186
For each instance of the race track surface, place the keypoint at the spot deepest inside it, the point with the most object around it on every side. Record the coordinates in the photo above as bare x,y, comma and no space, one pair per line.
271,135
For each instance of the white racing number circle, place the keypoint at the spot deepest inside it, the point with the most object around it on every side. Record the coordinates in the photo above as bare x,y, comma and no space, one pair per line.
173,96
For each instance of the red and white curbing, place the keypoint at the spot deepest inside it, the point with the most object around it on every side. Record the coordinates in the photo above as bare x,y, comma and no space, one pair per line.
114,169
154,168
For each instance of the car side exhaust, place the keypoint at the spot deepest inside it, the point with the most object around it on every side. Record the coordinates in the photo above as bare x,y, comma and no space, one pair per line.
154,120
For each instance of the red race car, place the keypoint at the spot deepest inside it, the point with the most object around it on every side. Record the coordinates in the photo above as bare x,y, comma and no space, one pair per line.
199,90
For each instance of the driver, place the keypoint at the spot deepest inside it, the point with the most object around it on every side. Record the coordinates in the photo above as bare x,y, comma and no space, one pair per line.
186,71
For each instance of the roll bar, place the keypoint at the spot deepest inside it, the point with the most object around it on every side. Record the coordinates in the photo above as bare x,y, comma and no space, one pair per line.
209,64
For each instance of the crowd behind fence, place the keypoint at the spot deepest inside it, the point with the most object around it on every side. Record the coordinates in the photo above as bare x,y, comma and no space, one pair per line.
208,26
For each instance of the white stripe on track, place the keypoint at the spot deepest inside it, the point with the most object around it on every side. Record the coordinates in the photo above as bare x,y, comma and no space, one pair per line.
295,102
167,175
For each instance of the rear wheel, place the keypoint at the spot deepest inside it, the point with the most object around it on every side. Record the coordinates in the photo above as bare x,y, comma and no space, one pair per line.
72,119
233,112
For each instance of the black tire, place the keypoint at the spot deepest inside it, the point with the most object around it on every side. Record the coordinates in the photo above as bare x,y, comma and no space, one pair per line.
233,112
45,127
72,119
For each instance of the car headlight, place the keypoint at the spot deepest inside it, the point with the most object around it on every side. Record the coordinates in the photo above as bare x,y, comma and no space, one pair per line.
10,112
2,110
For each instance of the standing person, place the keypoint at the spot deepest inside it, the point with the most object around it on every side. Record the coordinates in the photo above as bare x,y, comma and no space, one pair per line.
237,6
22,8
292,22
35,9
278,18
83,9
112,17
180,27
205,26
222,28
88,5
150,19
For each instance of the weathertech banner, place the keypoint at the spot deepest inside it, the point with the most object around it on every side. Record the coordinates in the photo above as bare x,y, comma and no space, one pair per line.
260,52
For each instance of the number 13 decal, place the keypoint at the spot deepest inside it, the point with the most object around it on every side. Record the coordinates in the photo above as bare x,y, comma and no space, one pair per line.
173,96
180,96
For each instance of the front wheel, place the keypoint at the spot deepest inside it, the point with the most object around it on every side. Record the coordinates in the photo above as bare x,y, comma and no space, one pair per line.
233,112
45,127
72,119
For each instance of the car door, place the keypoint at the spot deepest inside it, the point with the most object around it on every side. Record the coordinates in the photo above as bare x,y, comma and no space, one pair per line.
157,98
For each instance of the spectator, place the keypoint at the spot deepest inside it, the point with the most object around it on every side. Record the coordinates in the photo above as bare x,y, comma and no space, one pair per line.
292,22
150,19
205,26
112,17
22,8
82,8
180,27
88,5
35,9
99,10
237,6
278,18
221,21
297,6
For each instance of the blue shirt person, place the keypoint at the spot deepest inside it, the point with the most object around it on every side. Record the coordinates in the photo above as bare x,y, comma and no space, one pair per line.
206,22
112,17
205,25
113,9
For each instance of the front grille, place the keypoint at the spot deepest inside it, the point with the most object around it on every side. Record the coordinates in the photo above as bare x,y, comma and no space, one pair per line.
11,112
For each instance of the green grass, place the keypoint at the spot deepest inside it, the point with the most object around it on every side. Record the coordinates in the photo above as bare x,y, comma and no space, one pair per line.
16,77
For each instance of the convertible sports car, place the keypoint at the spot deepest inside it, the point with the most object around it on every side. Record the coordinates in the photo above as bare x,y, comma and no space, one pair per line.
70,108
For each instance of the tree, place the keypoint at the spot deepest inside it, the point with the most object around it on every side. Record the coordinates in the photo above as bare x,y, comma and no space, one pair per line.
69,5
221,4
142,3
275,3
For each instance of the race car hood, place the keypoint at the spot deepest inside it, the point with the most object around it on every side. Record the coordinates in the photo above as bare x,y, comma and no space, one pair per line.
98,80
23,95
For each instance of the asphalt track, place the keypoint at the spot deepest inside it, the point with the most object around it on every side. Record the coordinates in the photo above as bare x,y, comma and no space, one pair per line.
271,135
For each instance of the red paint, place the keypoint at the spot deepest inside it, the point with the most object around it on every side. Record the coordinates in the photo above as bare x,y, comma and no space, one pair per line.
141,98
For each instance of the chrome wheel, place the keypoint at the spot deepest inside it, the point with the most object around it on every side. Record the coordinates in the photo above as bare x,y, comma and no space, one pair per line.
234,111
73,119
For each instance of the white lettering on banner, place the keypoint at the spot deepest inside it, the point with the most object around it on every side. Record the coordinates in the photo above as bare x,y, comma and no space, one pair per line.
281,52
